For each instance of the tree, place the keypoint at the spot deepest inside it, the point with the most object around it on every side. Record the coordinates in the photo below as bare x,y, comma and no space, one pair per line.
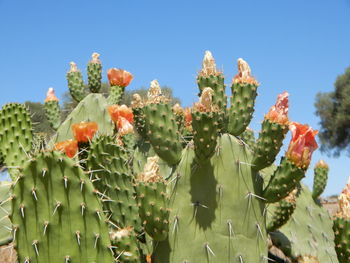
333,108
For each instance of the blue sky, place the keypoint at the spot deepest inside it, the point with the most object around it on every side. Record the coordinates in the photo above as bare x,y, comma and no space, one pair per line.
299,46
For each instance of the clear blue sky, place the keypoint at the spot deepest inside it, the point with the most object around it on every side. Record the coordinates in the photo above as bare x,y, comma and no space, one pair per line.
294,45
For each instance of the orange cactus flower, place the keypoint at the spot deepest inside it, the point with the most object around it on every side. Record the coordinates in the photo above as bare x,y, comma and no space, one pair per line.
119,77
279,112
84,131
302,145
124,126
50,95
116,111
69,147
188,117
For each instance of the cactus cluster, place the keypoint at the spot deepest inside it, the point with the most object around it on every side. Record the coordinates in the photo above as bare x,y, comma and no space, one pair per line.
154,183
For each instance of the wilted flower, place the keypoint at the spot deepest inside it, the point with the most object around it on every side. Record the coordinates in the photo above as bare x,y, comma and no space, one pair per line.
119,77
302,145
205,103
84,131
244,73
279,112
124,126
69,147
344,202
208,65
50,95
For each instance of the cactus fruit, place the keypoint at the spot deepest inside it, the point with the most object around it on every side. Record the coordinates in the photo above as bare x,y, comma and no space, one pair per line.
15,135
244,91
5,211
75,83
153,200
308,232
320,178
161,126
94,71
93,109
118,80
127,250
273,131
205,121
341,226
52,109
51,197
280,212
293,166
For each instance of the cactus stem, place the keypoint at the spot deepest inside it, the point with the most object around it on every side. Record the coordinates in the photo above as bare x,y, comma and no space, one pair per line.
209,250
35,244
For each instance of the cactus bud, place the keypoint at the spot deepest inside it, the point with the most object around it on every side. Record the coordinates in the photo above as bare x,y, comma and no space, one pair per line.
136,101
73,67
344,202
205,103
208,65
151,171
50,95
244,73
69,147
119,77
302,144
321,164
95,58
84,131
279,112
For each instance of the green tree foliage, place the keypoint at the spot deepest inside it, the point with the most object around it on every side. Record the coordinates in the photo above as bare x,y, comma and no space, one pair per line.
334,110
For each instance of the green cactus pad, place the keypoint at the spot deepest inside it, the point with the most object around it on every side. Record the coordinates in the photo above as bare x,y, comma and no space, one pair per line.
216,212
216,82
53,113
205,129
5,211
285,178
139,122
269,143
92,108
56,214
341,227
320,181
308,232
76,85
116,94
162,132
279,214
94,71
108,166
242,107
126,244
129,142
15,135
154,212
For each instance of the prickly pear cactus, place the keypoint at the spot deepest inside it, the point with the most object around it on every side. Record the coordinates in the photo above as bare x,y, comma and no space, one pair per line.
205,225
320,178
5,211
308,232
56,214
15,135
92,108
